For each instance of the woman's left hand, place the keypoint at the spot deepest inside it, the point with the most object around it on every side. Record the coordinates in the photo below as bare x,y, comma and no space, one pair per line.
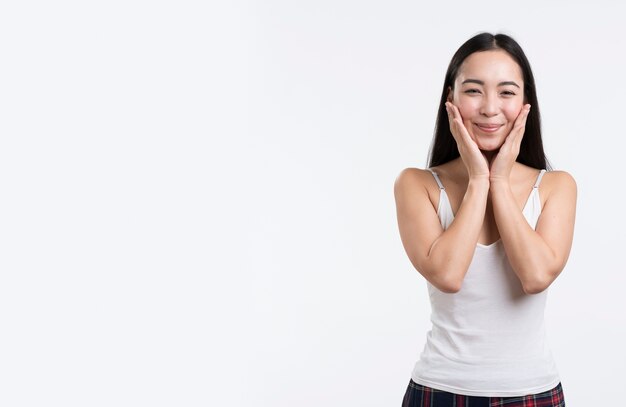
501,165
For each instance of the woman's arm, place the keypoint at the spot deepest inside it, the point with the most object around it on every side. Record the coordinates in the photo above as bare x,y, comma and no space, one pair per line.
442,257
537,256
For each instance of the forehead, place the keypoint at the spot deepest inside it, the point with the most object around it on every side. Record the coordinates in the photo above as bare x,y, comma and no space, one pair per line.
491,66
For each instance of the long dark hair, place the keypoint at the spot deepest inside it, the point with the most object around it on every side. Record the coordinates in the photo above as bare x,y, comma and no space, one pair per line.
444,148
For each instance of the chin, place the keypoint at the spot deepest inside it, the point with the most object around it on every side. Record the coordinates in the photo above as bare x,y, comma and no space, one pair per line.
488,145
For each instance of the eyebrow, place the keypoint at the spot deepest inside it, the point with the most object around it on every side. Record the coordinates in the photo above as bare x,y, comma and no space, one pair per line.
482,83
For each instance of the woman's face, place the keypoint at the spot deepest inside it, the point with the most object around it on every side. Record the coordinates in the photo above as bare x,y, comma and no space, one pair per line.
489,92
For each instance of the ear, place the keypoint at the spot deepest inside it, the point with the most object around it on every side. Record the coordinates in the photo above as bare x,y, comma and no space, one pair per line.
449,98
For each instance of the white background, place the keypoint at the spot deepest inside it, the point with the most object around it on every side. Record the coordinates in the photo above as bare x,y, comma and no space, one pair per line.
196,202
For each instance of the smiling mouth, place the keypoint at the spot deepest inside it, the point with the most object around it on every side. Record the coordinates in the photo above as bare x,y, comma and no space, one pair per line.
488,128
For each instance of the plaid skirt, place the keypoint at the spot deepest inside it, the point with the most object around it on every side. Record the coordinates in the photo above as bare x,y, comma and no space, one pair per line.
422,396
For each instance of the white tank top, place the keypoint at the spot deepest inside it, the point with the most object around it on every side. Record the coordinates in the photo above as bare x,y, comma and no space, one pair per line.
489,338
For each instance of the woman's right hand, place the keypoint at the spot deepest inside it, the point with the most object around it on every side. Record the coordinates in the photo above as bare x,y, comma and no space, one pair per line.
474,160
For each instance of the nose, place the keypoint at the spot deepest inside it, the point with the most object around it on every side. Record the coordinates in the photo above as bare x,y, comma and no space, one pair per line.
490,106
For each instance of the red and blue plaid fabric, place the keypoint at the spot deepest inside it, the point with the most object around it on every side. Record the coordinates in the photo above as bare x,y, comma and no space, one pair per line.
422,396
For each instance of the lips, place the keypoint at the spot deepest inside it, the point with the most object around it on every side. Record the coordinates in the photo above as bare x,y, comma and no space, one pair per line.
488,128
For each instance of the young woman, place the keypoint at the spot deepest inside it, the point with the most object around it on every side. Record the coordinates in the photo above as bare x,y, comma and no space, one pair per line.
489,226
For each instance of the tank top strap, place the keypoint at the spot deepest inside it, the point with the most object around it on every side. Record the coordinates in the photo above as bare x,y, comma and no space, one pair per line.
437,179
444,209
539,179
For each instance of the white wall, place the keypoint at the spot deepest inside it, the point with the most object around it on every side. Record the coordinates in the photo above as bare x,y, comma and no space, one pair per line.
197,201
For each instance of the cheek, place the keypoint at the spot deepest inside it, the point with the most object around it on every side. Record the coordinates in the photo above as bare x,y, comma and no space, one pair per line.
512,111
468,107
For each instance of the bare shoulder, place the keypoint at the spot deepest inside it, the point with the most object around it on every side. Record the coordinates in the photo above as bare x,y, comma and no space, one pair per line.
413,180
559,181
559,186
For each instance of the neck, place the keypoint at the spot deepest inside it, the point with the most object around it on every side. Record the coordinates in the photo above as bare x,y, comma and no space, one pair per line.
489,155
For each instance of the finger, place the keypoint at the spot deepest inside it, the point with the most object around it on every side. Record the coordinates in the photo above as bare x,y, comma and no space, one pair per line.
519,127
454,125
452,115
513,141
463,133
457,113
456,116
448,111
520,122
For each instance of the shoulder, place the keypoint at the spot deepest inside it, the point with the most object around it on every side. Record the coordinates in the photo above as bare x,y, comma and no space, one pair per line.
559,180
412,177
424,177
559,186
412,181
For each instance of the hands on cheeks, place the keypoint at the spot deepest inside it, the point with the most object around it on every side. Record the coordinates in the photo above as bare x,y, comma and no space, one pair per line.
474,160
499,167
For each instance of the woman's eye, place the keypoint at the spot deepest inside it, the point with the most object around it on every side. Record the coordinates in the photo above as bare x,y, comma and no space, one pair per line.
472,91
508,93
